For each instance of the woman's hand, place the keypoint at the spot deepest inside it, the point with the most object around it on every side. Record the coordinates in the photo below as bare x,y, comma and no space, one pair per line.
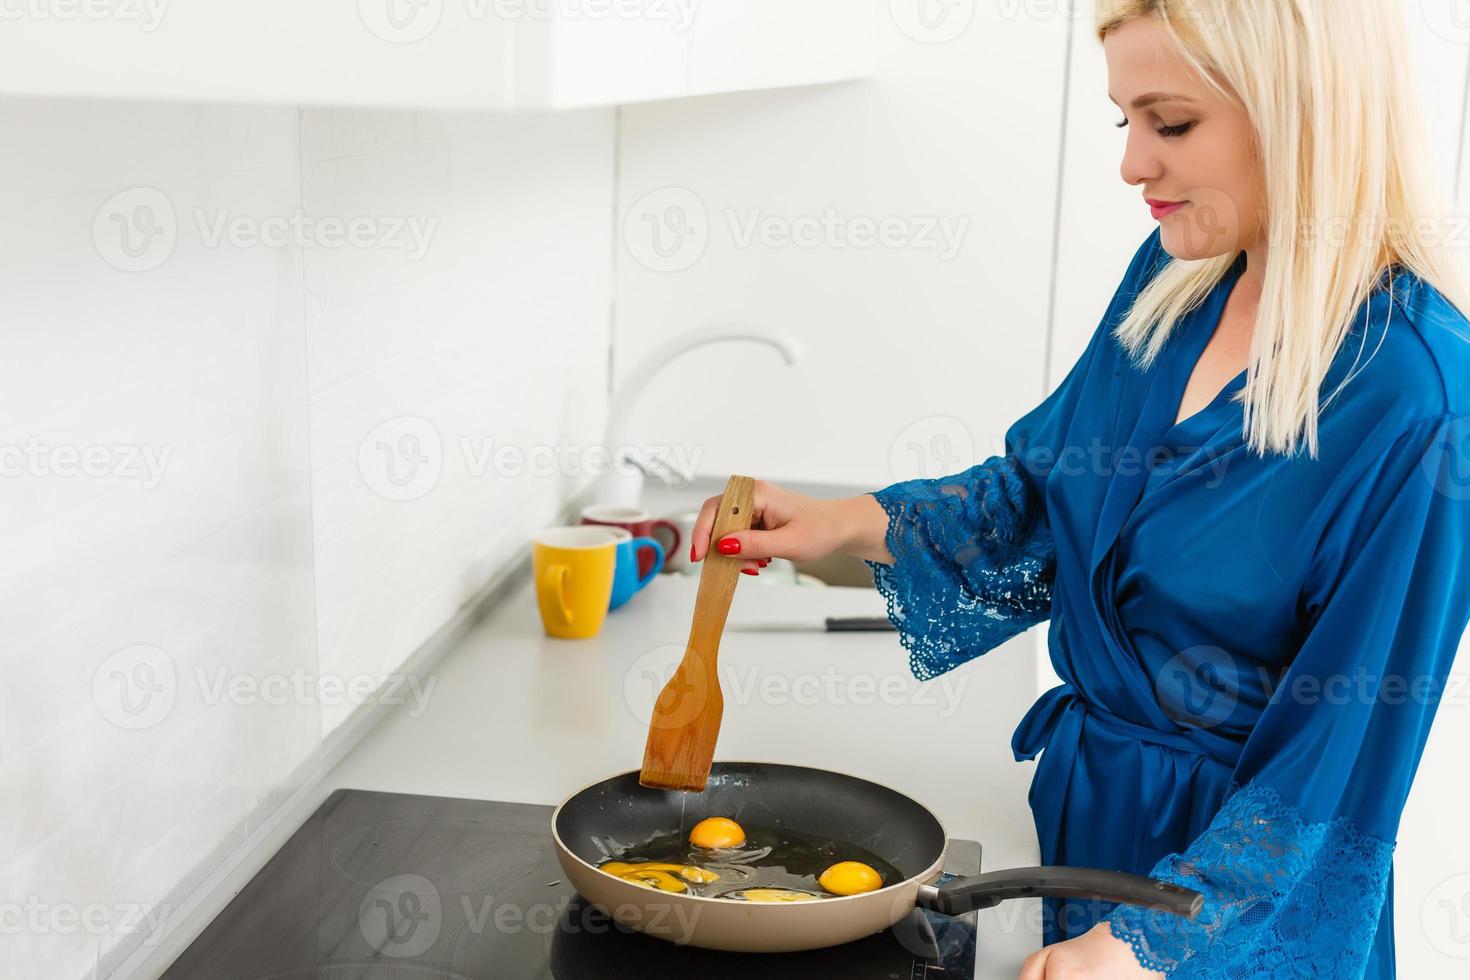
797,527
1095,955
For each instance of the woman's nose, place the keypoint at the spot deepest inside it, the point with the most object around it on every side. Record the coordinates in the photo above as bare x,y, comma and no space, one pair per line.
1139,164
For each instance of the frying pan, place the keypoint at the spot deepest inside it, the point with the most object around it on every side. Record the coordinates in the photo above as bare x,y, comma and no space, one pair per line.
594,821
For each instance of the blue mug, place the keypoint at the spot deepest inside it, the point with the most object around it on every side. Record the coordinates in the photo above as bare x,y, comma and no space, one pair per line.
626,581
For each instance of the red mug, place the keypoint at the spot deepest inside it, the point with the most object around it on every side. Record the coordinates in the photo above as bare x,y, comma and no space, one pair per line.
640,524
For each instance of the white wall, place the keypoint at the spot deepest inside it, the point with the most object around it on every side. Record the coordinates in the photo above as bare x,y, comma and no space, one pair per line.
271,545
118,587
933,339
497,336
1432,863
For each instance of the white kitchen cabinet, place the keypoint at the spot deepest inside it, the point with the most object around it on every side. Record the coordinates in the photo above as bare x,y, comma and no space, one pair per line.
464,54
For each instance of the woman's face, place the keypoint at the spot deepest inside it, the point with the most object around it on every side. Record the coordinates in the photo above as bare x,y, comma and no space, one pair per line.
1191,146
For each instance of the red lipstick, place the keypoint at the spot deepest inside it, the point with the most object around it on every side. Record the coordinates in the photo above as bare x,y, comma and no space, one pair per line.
1162,209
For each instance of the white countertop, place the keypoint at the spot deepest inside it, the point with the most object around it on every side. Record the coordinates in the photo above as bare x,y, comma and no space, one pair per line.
516,715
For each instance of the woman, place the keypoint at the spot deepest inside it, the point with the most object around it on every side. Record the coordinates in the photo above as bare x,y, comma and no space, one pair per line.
1244,512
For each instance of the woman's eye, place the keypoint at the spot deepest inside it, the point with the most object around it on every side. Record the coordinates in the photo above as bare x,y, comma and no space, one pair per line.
1164,131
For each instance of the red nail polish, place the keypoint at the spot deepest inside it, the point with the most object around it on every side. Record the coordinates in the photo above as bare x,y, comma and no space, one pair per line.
729,546
764,561
749,571
691,552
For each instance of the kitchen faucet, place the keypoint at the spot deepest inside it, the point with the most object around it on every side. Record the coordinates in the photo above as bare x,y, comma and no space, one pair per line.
623,483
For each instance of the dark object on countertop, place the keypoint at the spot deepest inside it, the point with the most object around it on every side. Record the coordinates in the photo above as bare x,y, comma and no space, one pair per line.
832,624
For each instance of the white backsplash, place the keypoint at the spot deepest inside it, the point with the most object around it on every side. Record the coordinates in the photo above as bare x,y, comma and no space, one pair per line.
226,530
487,328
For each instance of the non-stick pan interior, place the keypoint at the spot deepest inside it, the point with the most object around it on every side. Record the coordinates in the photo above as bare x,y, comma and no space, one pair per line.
618,811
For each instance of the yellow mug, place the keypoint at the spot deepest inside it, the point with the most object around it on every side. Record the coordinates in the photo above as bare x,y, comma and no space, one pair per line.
573,569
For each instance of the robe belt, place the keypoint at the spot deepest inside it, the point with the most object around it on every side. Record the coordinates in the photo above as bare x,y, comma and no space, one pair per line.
1062,710
1055,723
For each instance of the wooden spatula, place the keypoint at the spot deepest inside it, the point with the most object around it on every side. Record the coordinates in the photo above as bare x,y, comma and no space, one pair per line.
686,717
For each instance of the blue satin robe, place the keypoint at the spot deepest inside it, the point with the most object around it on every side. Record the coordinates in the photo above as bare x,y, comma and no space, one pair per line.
1252,648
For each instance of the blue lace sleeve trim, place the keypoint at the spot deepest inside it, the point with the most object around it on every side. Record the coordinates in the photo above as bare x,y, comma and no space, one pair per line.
1283,898
973,563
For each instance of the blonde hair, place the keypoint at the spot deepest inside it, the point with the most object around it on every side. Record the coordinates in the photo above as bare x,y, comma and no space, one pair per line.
1341,144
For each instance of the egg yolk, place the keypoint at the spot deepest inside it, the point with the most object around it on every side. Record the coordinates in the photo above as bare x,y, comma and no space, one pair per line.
774,895
850,878
717,833
653,874
661,880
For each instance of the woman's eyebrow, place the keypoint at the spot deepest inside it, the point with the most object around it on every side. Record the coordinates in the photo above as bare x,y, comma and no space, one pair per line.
1144,101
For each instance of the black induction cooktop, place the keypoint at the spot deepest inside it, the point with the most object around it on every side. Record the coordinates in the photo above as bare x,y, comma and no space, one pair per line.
387,886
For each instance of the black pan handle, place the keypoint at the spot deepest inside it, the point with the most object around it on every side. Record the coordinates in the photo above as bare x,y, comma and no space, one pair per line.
982,891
